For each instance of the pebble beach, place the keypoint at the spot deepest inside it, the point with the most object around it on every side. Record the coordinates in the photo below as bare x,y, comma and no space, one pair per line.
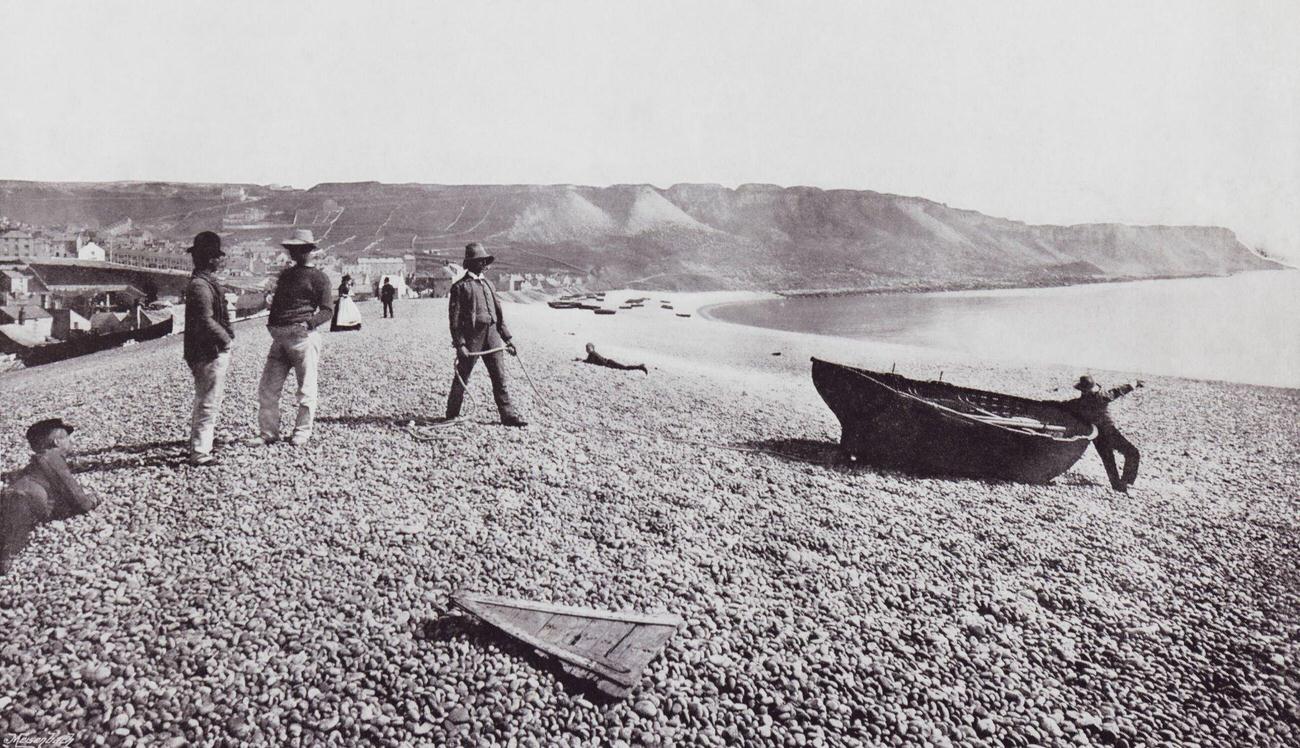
298,595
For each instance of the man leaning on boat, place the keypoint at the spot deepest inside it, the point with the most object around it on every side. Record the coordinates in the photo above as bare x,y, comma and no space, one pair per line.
1092,405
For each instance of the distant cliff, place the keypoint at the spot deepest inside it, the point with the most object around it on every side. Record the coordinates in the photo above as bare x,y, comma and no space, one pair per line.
689,236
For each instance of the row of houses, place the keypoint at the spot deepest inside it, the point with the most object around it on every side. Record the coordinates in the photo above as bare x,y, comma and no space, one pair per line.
43,325
46,244
45,287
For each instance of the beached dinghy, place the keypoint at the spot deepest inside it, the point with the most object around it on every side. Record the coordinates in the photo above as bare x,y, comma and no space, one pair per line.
938,428
611,649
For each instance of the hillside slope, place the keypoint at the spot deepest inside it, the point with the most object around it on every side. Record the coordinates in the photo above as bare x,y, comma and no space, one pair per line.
686,236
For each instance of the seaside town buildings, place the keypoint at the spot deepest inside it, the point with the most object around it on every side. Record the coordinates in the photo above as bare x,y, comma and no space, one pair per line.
370,273
22,242
93,252
157,255
32,318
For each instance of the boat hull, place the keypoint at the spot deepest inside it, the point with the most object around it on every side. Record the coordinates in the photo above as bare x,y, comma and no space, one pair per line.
47,354
933,428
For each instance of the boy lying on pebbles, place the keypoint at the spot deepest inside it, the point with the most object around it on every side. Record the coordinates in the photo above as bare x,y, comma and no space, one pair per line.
599,360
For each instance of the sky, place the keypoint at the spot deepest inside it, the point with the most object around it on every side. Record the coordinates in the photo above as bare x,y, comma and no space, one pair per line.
1149,112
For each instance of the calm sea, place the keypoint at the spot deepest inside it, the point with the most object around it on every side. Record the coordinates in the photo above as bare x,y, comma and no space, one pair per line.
1243,328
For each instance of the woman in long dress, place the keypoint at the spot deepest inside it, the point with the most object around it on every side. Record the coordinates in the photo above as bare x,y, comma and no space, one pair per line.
346,315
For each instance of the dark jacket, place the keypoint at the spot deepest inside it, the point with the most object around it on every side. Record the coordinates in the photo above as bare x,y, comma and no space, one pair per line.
207,318
1092,406
387,292
44,490
302,296
475,315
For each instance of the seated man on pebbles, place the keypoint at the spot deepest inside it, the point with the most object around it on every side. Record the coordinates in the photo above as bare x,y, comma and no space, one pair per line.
599,360
1091,406
44,490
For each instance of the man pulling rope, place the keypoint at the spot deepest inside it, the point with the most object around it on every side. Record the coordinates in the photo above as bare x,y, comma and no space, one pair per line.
478,330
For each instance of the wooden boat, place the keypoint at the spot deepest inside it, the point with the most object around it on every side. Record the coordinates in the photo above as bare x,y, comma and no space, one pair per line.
938,428
604,311
683,314
46,354
562,304
609,648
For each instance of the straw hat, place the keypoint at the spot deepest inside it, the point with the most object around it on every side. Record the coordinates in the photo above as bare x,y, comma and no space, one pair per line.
301,238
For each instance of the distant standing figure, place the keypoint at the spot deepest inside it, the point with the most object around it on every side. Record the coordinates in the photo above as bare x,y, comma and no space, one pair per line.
386,295
599,360
44,490
301,304
1092,406
208,336
478,330
346,315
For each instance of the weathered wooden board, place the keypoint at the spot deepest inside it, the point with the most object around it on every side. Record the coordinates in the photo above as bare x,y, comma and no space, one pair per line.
610,648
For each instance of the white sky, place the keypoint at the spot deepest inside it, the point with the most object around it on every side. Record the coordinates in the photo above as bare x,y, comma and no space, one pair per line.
1140,112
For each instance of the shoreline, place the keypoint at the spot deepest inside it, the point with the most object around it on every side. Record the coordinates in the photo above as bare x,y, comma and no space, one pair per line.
1206,374
1011,285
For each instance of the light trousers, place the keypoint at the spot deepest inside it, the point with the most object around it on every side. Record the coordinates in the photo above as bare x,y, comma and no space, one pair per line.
209,390
297,348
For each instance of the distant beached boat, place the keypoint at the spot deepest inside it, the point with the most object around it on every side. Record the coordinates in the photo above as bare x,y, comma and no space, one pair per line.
562,304
936,428
603,311
46,354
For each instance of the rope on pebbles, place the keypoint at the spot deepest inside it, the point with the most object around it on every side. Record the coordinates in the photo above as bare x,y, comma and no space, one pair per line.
433,432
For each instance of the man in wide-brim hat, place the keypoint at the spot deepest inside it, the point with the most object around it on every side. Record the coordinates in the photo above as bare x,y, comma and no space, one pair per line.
1092,406
208,339
301,304
478,330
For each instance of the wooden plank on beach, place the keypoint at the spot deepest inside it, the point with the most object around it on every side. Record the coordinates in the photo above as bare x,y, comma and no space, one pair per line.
607,647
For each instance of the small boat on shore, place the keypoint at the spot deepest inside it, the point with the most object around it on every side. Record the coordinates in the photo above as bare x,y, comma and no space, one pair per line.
604,311
936,428
81,346
562,304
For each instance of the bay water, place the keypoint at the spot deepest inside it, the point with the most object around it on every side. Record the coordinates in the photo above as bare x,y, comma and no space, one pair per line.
1240,328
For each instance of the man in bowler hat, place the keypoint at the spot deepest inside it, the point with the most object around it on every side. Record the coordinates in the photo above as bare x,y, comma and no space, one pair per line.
208,336
478,330
1092,406
44,490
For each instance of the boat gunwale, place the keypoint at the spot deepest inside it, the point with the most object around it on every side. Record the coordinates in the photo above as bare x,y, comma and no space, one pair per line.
966,417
